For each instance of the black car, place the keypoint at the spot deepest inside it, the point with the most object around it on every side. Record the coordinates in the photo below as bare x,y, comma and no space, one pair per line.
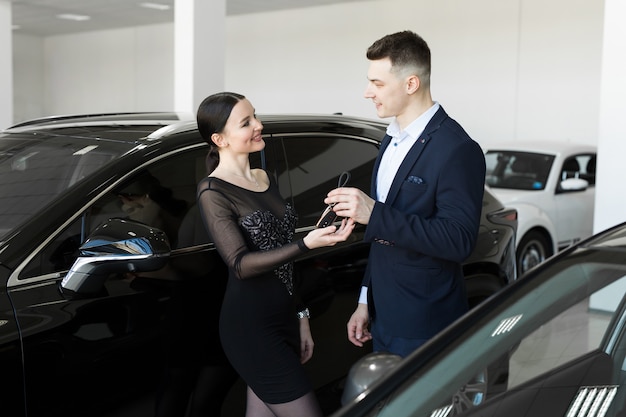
552,344
109,299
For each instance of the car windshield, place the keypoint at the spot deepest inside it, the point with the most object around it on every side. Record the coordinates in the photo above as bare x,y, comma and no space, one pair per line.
562,322
34,169
517,170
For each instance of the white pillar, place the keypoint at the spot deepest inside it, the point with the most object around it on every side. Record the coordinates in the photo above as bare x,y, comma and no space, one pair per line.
6,68
199,51
610,174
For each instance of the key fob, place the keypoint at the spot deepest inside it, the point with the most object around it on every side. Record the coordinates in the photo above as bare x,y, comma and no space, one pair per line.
327,218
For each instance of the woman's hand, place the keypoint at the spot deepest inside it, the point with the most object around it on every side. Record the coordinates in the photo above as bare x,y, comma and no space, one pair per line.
330,235
306,340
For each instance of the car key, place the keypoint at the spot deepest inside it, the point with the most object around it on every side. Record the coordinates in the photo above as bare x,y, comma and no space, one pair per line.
328,217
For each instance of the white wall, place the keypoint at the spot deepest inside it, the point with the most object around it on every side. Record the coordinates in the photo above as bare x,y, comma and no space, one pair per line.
28,76
317,63
611,188
110,71
504,69
6,44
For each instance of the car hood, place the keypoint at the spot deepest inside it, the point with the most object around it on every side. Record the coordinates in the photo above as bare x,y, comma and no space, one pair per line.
508,196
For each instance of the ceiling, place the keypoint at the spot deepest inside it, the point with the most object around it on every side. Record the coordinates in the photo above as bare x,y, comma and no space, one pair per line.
39,17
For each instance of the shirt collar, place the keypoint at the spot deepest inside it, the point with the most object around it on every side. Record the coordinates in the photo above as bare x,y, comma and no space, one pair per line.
415,128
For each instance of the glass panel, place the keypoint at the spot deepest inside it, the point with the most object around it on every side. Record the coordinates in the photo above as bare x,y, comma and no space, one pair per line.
572,334
159,196
315,164
517,170
555,341
33,172
580,166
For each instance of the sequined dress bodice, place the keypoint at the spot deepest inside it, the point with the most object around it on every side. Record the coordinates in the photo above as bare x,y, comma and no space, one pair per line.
266,232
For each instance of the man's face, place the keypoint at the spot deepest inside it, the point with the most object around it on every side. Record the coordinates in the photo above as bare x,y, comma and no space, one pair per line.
386,90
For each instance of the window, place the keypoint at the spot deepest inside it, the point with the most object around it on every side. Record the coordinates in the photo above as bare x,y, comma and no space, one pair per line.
33,172
314,164
553,345
580,166
160,196
517,170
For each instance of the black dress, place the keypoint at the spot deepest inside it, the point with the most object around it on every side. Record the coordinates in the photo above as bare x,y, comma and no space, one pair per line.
259,328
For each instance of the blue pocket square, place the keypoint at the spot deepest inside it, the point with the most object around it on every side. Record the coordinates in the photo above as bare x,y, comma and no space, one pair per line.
415,180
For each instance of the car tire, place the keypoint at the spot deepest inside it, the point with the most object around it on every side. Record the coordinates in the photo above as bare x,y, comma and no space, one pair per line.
481,286
533,249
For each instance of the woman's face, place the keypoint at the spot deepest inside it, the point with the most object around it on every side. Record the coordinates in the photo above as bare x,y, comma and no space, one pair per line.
242,133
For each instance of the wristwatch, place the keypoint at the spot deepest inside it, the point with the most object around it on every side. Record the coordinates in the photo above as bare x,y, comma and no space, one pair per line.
304,313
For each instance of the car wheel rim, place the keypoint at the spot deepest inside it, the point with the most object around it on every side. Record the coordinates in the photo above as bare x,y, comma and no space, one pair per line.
532,255
470,395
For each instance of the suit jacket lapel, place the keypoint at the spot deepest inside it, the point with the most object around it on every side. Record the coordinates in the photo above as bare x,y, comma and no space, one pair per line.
414,154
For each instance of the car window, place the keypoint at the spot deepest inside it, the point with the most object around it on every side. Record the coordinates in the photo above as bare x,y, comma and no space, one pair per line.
589,172
564,339
34,172
162,195
580,166
568,336
314,164
517,170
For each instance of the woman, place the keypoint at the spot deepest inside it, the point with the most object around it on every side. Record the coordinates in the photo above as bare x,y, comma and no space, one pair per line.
263,328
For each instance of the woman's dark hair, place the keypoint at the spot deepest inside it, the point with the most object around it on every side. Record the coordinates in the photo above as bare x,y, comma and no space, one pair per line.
213,113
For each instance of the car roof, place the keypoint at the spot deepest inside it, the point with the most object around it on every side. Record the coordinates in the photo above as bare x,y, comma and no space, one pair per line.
545,146
100,119
613,239
277,122
158,125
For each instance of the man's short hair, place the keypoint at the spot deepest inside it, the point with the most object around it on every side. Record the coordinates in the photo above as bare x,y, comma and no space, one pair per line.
407,51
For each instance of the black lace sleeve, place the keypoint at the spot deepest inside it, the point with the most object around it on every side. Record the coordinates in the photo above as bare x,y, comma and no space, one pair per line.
252,231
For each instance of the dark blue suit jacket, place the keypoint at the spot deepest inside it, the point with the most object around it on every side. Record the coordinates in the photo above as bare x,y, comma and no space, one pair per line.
424,231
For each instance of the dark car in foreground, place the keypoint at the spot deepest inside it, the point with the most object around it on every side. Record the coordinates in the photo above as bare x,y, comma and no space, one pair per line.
561,330
110,289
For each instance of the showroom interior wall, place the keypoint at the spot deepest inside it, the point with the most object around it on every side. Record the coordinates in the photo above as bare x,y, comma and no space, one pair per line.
505,69
6,71
117,70
610,188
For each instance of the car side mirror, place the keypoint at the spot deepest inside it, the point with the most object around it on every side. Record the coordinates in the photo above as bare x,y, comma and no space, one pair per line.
573,184
365,372
117,246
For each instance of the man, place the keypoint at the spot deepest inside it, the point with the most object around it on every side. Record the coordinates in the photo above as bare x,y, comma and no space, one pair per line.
424,214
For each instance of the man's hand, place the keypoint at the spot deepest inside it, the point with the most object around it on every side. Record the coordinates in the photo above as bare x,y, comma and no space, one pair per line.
351,203
358,333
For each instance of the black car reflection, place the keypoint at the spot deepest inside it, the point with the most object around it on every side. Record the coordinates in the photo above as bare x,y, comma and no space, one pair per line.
561,329
110,289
